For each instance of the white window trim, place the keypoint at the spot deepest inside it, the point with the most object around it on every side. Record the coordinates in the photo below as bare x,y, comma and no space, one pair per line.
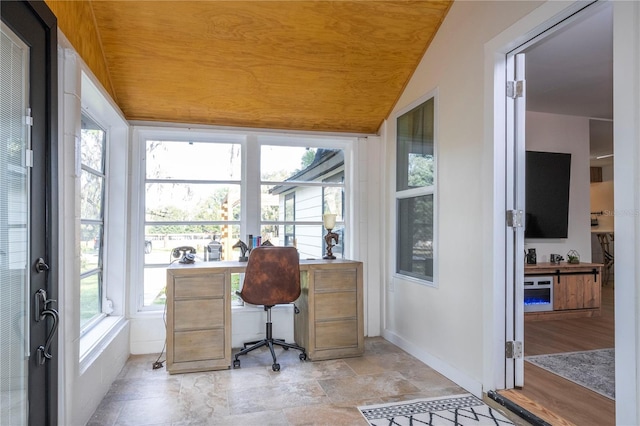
414,192
250,223
96,104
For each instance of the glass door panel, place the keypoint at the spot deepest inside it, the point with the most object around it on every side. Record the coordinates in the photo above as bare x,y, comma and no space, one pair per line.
14,230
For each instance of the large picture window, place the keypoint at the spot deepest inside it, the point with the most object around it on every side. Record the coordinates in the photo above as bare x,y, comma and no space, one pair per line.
199,195
415,192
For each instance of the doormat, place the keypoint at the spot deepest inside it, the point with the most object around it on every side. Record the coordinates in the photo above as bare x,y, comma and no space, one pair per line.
594,370
456,410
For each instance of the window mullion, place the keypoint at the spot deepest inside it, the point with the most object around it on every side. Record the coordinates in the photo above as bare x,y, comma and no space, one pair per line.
251,194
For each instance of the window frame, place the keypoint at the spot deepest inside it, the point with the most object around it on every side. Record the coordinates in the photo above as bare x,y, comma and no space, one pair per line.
416,192
251,216
99,270
96,104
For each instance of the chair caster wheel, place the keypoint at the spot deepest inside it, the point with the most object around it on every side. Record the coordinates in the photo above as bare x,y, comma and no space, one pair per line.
236,363
303,356
275,367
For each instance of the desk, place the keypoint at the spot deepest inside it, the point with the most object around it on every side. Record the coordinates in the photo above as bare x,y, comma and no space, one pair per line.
330,323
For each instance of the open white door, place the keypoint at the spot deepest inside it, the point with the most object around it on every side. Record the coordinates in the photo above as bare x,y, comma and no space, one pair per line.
515,205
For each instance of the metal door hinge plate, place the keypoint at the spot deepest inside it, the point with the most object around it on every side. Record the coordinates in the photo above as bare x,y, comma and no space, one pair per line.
513,349
514,218
515,89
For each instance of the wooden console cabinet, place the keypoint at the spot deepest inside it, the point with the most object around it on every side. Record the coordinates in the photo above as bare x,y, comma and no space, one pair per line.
330,323
576,290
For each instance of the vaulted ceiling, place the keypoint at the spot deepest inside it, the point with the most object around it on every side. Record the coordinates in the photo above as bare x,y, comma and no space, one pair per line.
333,66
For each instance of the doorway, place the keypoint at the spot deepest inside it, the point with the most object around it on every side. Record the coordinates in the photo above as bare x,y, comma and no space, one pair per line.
569,85
28,230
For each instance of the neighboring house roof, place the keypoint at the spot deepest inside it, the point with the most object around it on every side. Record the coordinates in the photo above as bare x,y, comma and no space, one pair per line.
324,162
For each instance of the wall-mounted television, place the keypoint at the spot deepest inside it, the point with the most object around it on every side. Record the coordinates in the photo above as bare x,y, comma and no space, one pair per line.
547,179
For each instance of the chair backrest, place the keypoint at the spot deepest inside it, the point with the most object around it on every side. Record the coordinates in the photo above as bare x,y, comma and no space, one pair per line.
272,276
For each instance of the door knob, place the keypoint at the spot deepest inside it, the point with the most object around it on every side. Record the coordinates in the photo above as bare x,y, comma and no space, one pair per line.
41,265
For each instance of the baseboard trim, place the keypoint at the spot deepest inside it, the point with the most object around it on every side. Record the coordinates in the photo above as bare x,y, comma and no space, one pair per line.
450,372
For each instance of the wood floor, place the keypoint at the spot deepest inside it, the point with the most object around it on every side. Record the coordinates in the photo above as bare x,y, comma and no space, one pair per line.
552,398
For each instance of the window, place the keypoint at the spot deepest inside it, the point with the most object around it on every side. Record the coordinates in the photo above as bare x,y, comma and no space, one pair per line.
199,194
92,207
193,200
301,189
415,192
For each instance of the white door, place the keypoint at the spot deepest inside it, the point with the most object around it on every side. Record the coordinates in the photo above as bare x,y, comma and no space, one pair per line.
515,197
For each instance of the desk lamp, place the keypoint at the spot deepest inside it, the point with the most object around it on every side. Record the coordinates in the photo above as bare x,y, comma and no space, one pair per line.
329,221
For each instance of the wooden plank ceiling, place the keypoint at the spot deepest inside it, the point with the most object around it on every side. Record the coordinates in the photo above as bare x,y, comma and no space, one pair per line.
336,66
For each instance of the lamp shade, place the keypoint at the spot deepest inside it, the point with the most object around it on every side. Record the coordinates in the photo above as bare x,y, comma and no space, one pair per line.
329,220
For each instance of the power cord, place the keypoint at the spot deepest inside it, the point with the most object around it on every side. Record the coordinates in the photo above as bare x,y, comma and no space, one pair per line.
157,363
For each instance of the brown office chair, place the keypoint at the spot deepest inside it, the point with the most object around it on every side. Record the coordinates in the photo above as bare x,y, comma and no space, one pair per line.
272,277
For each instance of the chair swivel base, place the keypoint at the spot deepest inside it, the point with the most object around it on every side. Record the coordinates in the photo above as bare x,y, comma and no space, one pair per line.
270,342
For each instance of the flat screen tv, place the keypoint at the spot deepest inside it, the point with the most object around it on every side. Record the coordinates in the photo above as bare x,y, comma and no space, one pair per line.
547,179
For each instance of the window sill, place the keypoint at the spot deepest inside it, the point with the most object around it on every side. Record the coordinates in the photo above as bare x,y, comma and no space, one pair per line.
96,340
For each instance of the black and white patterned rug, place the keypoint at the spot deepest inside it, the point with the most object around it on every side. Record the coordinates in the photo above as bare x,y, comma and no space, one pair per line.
456,410
594,369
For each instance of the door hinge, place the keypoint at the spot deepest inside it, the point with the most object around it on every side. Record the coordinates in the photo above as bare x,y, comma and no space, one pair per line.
513,350
514,218
28,158
28,119
515,89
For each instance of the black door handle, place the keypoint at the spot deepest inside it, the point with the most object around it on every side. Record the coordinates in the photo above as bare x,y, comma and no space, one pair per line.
44,350
42,311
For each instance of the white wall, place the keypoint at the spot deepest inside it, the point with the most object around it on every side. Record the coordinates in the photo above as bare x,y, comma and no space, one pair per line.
567,134
88,363
443,326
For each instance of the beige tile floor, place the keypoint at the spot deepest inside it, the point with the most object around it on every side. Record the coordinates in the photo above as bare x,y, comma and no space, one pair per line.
301,393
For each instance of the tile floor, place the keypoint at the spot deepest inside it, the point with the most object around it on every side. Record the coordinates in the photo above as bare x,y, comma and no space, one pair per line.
301,393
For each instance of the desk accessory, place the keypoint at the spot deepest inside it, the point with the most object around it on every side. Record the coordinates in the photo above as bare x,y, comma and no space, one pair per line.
243,250
329,221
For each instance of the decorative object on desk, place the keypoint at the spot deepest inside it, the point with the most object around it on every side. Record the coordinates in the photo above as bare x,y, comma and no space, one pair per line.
329,221
213,250
531,256
186,254
243,250
556,258
595,369
267,243
462,410
573,257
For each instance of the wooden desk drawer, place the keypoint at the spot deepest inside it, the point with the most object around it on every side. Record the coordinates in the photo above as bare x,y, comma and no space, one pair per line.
198,345
202,313
336,305
210,285
336,334
335,279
